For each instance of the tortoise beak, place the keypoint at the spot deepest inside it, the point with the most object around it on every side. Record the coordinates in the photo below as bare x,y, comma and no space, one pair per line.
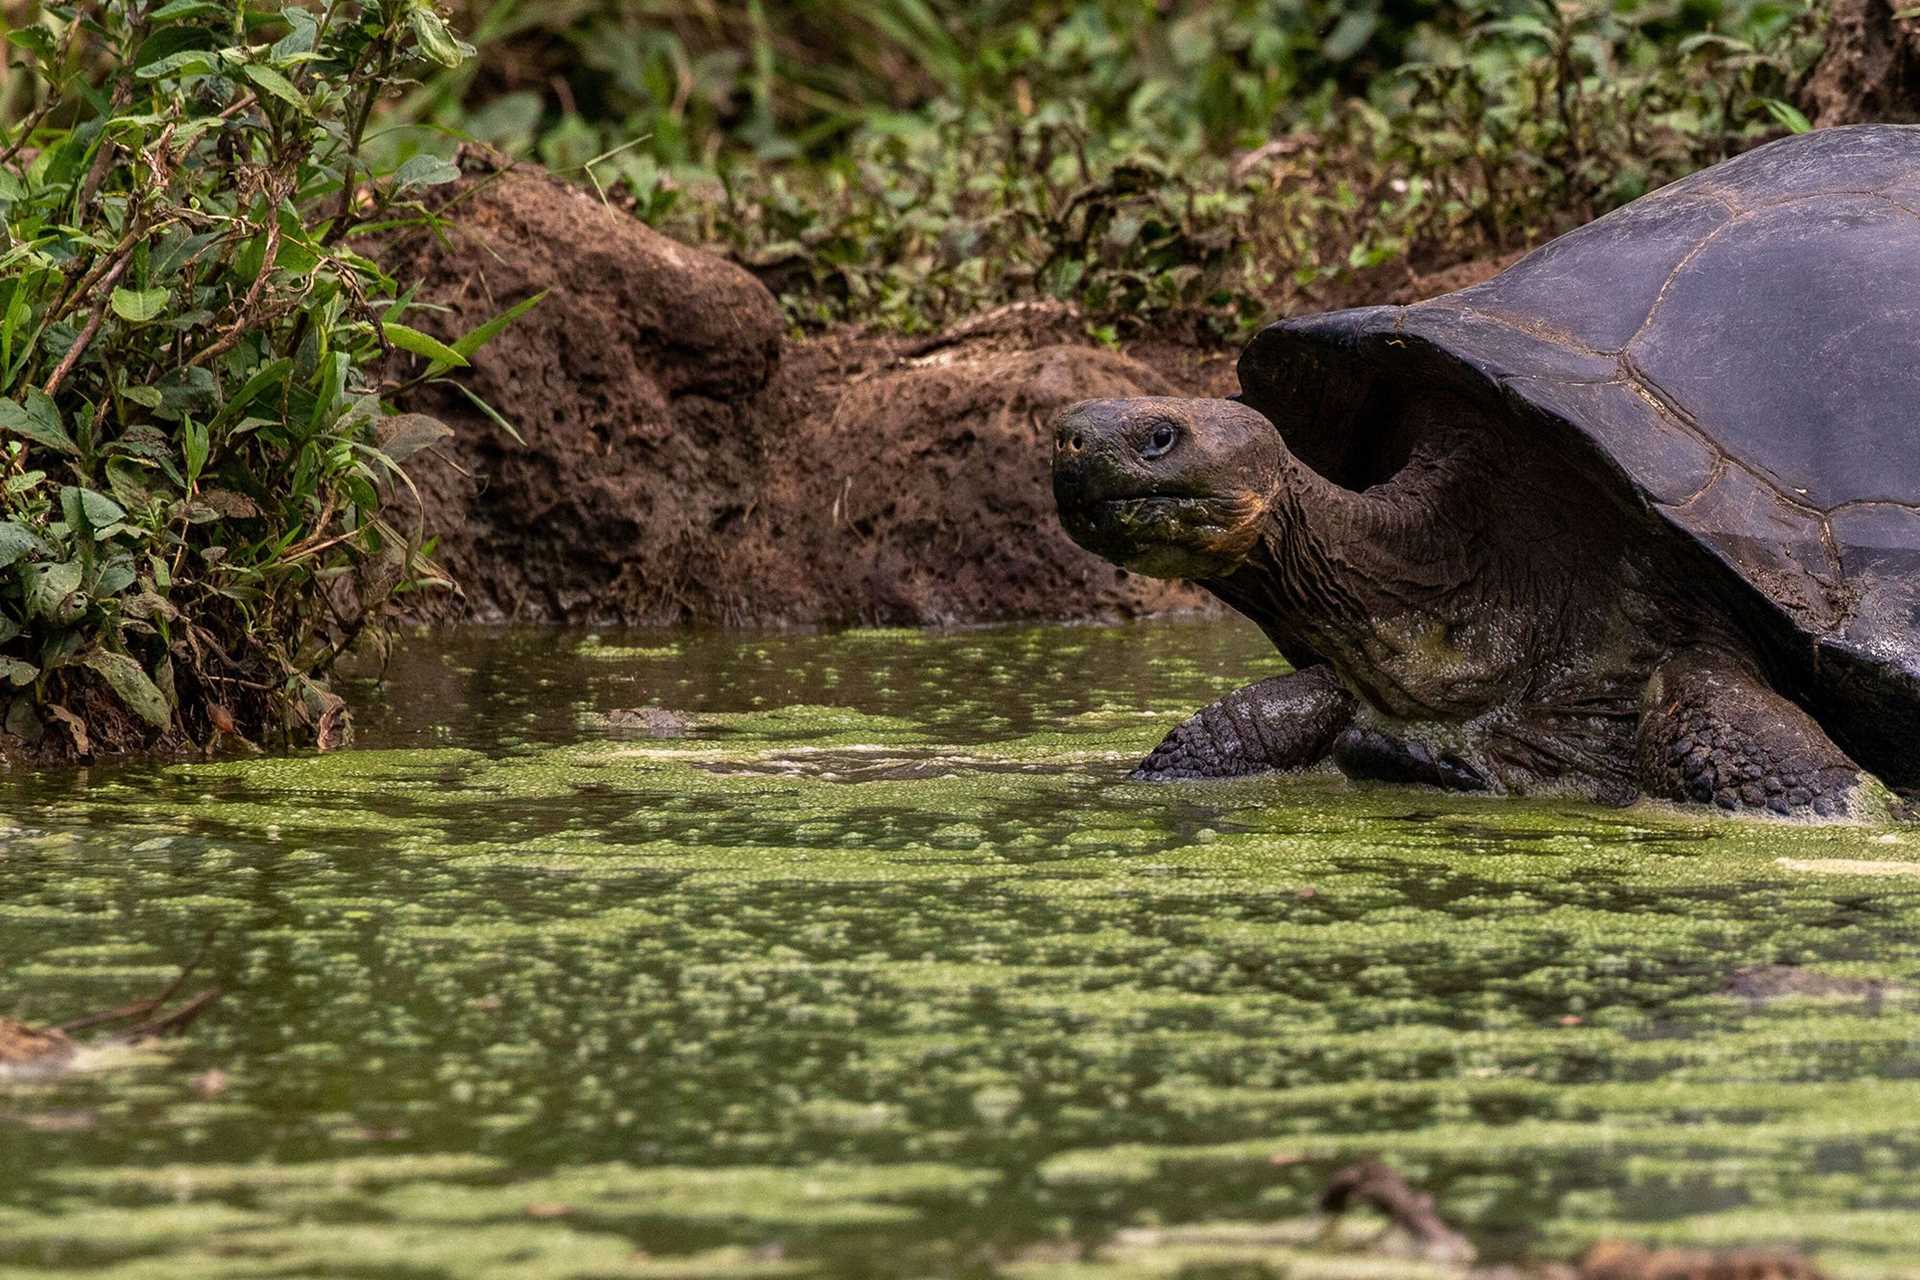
1089,463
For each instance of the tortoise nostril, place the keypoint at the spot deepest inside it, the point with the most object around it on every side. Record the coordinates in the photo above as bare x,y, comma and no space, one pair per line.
1075,442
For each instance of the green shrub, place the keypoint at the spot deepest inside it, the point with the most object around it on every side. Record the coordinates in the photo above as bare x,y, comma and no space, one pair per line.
1522,126
901,162
194,365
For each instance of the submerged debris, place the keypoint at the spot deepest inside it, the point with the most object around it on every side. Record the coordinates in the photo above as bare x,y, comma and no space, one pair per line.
1375,1183
1766,982
652,722
1619,1260
26,1049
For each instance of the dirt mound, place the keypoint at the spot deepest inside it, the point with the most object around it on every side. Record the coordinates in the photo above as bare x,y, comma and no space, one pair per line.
1871,68
628,385
680,466
915,489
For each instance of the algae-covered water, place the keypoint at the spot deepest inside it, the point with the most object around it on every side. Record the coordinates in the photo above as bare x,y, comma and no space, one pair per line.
885,971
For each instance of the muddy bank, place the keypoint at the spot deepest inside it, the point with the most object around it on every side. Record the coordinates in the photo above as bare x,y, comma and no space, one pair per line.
681,459
1871,68
684,462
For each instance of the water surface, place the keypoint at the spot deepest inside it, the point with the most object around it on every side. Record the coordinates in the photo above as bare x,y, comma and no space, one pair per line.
885,971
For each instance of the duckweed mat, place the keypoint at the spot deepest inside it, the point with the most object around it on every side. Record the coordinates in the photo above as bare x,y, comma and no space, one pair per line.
884,970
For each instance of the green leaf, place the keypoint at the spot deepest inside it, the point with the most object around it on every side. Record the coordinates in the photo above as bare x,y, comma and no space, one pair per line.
115,576
171,255
17,673
1350,34
406,434
303,33
330,383
140,306
196,443
96,510
271,81
16,540
36,40
425,171
492,413
124,676
421,344
39,421
1788,115
180,66
181,10
51,589
267,375
471,342
435,41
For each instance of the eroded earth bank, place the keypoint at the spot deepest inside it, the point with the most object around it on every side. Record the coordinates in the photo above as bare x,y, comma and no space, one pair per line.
683,460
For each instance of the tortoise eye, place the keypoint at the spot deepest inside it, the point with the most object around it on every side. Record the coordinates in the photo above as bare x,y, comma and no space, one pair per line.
1164,437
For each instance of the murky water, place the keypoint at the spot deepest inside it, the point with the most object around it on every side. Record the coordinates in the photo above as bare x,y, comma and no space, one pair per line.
885,972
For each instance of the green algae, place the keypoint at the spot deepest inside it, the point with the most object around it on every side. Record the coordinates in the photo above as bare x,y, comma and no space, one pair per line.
886,971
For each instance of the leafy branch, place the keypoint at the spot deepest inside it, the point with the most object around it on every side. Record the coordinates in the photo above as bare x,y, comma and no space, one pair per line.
193,413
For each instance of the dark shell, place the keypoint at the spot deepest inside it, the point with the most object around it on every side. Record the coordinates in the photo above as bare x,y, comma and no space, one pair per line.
1742,348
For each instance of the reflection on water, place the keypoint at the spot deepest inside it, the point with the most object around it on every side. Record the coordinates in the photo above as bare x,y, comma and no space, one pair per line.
884,970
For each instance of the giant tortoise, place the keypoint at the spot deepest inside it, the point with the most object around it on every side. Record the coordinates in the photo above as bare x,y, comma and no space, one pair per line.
1638,516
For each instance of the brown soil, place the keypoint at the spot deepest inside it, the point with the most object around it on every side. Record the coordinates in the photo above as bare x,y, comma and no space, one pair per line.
685,462
1871,68
680,466
1618,1260
25,1047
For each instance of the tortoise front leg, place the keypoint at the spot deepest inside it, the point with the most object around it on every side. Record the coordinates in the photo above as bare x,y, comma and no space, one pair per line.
1713,732
1280,723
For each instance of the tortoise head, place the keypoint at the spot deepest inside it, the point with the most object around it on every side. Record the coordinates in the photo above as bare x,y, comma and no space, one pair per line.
1166,487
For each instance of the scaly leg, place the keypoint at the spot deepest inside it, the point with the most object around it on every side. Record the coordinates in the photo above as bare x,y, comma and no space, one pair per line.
1281,723
1711,731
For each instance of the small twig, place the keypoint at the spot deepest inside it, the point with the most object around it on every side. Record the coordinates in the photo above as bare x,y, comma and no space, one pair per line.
94,321
238,105
141,1008
173,1023
53,99
242,314
86,284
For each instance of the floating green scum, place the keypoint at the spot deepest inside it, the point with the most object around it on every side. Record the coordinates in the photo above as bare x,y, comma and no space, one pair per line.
884,970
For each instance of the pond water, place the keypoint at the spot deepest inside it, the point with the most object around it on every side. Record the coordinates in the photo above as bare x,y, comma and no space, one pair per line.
885,971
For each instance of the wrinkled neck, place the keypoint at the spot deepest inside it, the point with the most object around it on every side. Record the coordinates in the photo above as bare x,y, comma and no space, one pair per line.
1332,561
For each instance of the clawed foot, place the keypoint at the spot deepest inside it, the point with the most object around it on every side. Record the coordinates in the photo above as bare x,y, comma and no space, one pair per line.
1371,756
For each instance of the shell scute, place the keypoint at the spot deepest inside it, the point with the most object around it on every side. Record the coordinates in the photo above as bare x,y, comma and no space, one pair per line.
1793,339
1660,455
1778,546
1862,158
1636,250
